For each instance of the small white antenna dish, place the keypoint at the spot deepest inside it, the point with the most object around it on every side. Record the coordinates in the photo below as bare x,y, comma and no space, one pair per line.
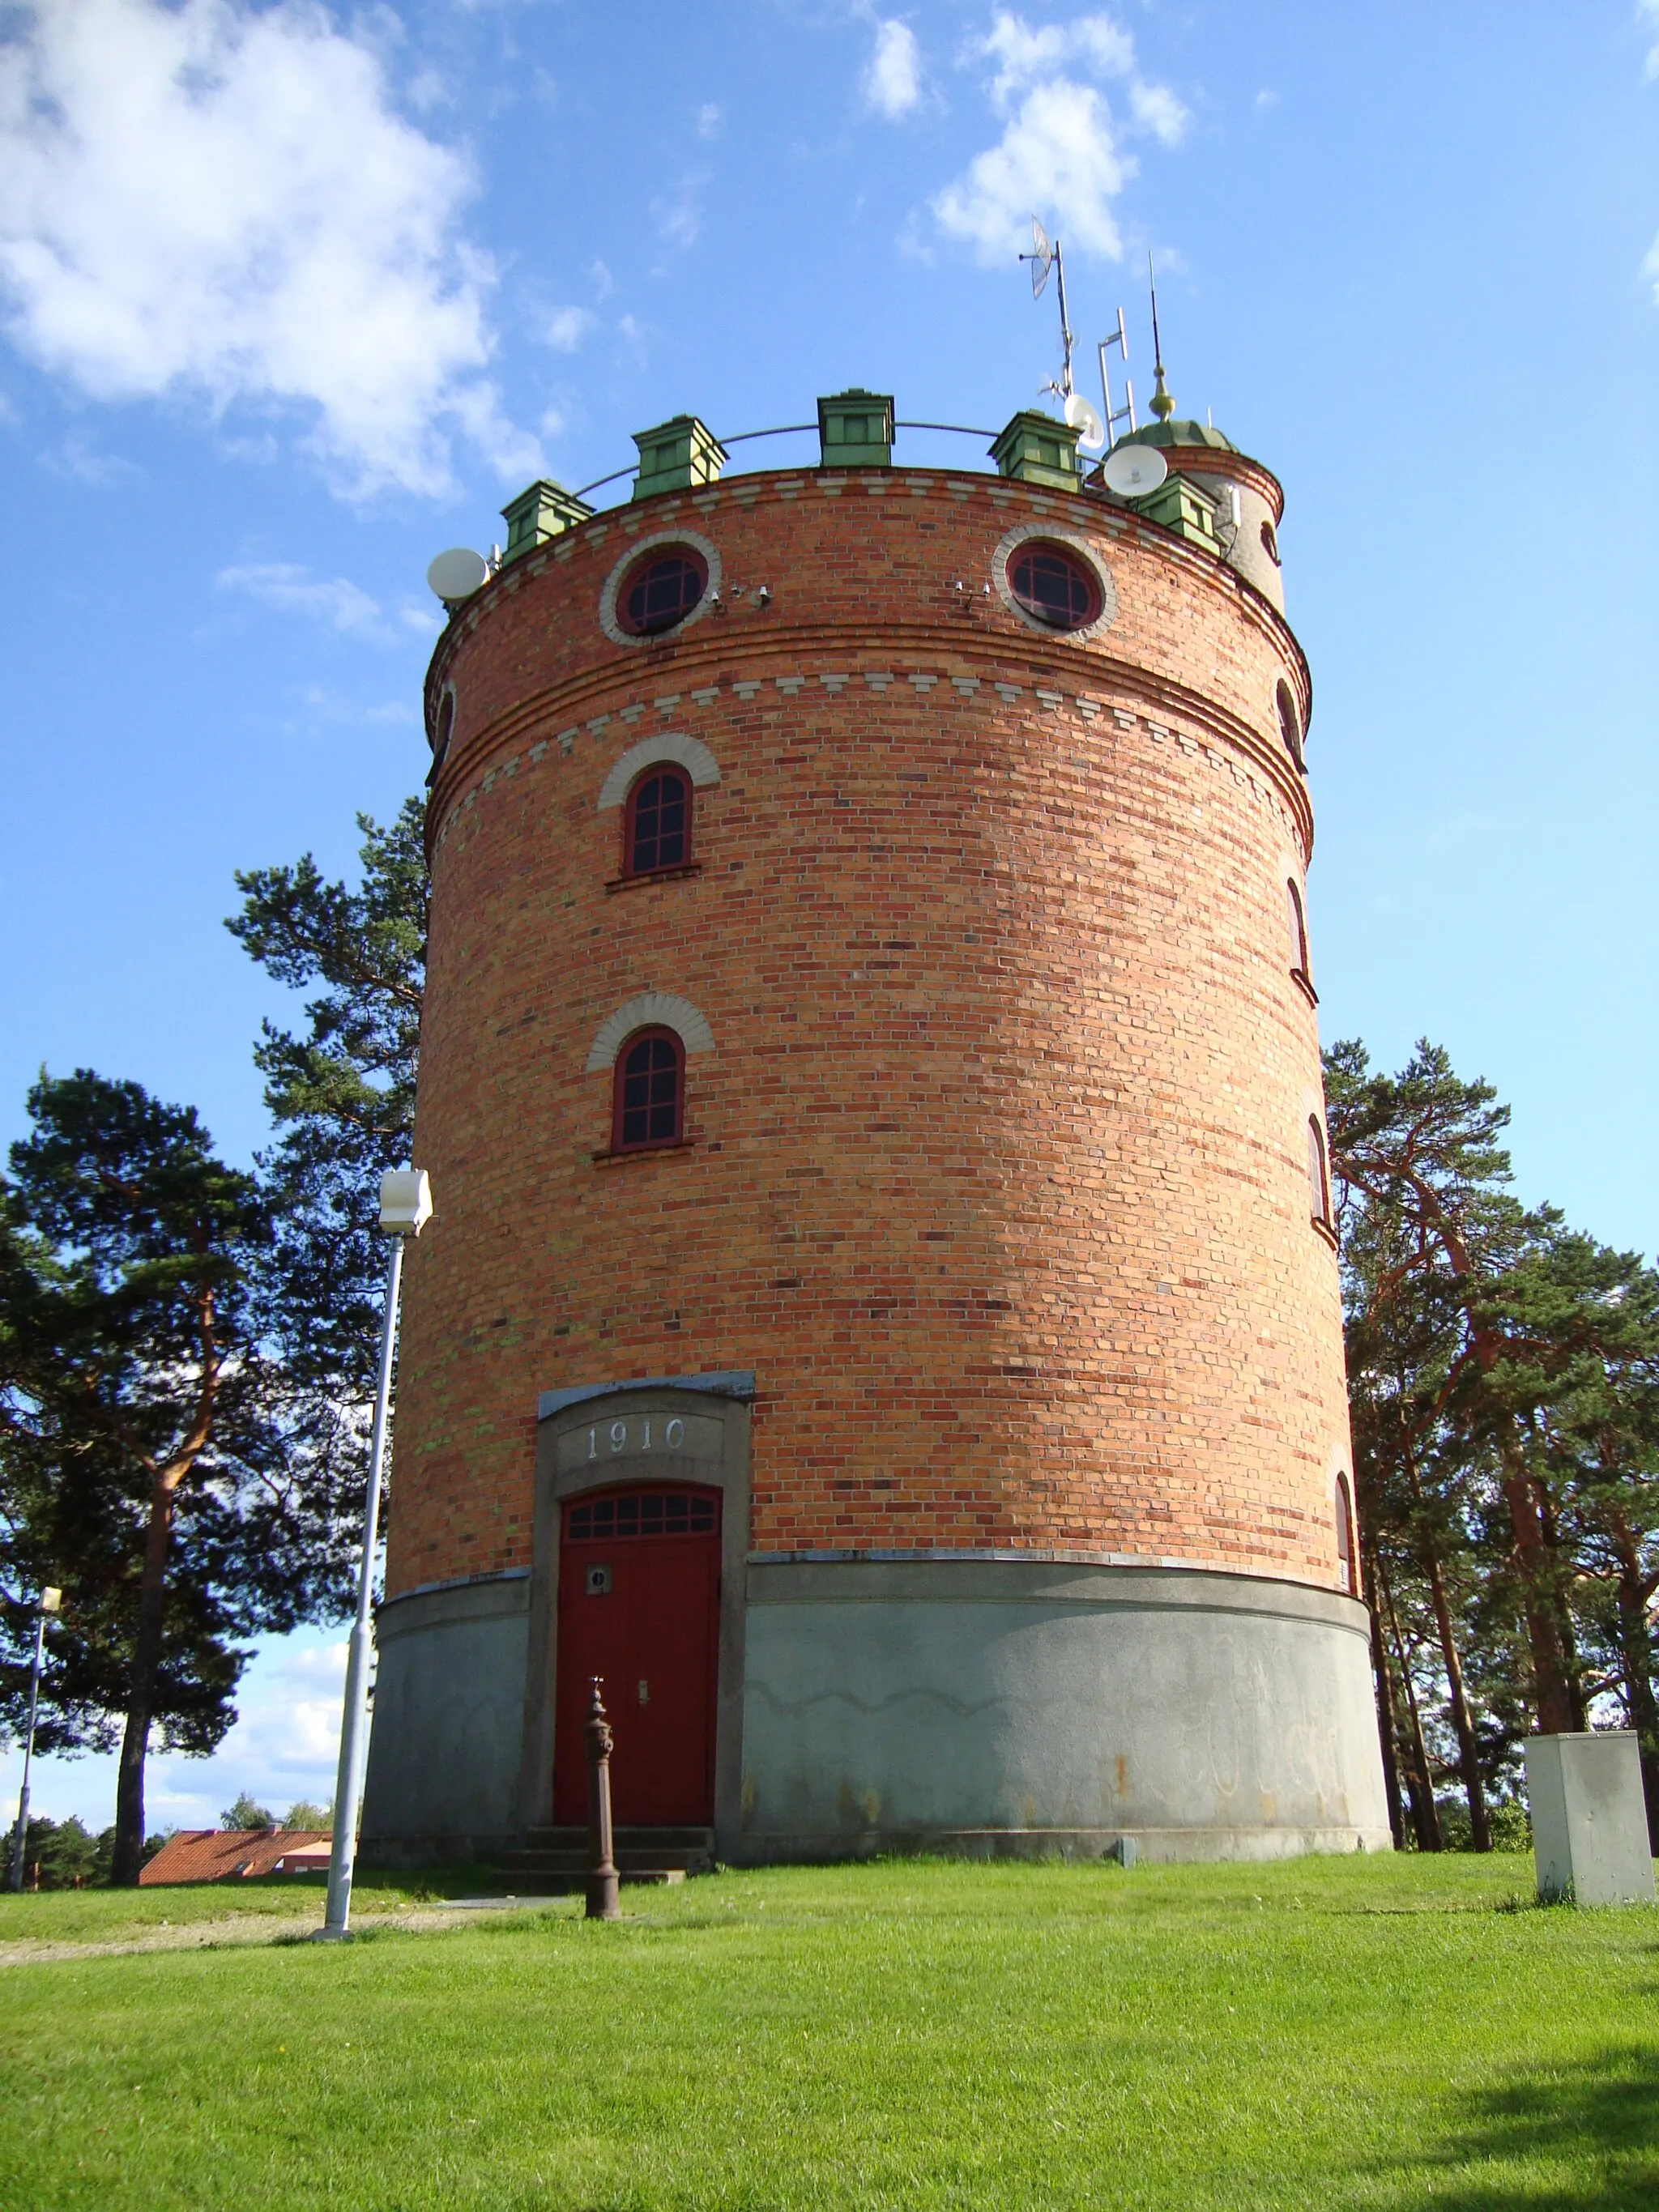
456,574
1040,258
1090,430
1132,471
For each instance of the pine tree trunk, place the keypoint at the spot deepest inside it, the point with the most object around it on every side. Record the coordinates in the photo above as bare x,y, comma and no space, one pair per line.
1636,1648
129,1853
1462,1719
1552,1695
1385,1727
1419,1782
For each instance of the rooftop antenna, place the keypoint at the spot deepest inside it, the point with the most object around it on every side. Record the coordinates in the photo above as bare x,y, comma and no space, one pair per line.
1163,405
1042,254
1120,338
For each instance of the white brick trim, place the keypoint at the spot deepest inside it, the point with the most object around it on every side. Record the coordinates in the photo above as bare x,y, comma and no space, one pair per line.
687,752
613,583
651,1010
1074,542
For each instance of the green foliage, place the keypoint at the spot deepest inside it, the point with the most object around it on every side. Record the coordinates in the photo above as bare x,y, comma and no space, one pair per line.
342,1096
59,1855
304,1814
246,1813
1504,1382
159,1458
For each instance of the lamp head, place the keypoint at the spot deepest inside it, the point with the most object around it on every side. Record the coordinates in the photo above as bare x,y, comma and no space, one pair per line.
405,1201
50,1600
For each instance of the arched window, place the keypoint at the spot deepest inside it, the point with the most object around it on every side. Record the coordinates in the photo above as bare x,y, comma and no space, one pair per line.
649,1098
1297,919
1270,543
1345,1557
1319,1182
1290,723
657,823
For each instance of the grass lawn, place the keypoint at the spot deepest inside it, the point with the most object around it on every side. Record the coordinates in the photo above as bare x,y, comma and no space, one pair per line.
1400,2032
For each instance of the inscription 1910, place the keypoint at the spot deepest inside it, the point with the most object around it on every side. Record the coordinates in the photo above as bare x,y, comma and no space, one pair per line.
679,1434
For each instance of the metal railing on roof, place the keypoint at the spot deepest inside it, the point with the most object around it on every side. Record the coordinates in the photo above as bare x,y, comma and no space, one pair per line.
786,430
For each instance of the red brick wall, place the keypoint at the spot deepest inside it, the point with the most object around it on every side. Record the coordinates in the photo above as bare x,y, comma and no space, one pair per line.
998,1175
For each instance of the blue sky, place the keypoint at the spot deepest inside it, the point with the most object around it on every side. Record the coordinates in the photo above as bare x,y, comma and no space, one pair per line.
292,297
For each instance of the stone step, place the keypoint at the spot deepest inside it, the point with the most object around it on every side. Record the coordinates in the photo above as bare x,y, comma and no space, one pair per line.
640,1854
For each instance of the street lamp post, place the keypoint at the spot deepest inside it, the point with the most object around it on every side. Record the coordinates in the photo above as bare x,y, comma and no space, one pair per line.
50,1601
406,1208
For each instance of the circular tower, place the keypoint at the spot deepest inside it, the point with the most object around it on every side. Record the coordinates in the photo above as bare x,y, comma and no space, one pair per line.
882,1311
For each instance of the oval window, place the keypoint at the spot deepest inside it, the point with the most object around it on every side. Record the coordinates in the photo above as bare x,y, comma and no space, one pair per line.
1053,586
661,591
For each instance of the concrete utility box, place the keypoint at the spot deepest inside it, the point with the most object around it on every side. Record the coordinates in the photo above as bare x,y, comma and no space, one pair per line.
1589,1824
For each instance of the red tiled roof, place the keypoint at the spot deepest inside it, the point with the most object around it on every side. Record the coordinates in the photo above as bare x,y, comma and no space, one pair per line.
218,1854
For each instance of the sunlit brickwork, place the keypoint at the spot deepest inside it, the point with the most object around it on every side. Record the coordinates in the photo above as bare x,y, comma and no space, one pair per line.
996,1162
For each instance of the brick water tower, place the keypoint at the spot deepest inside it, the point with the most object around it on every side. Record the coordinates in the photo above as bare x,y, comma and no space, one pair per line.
882,1311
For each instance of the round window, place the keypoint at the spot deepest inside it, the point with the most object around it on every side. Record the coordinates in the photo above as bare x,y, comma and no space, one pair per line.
1053,586
661,591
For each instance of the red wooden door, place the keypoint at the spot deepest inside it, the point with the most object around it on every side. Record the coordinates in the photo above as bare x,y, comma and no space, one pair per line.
639,1605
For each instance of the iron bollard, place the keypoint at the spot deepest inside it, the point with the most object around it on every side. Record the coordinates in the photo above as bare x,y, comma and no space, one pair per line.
602,1903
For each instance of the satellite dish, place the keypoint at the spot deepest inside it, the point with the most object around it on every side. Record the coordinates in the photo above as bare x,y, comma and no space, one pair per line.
457,574
1132,471
1041,258
1090,430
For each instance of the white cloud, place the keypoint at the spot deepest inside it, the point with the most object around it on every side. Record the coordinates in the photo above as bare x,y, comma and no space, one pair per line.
1060,154
893,80
334,601
1023,55
77,457
680,219
708,119
565,328
1156,108
202,198
1650,268
1057,153
1650,9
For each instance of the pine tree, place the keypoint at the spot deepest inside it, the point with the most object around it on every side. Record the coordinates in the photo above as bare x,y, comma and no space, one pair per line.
159,1458
342,1095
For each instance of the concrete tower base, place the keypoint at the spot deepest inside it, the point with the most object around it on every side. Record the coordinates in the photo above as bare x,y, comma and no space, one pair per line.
1016,1707
993,1706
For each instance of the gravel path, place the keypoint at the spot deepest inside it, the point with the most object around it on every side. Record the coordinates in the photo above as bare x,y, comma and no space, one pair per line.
267,1928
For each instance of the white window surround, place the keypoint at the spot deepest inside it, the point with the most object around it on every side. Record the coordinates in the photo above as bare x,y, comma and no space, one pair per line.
659,540
688,753
1074,542
652,1010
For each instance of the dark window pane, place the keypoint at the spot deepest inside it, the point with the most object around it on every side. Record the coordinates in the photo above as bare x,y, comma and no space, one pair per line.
660,813
1055,589
656,1513
662,593
650,1093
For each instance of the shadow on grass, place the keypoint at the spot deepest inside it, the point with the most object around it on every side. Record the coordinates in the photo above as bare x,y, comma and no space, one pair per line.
1573,2138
